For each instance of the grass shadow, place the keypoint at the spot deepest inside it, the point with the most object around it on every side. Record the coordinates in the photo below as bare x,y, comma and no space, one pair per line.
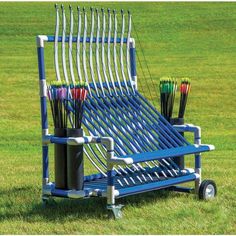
14,190
63,209
90,208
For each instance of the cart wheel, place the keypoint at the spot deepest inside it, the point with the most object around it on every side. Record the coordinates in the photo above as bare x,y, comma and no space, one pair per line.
114,211
114,215
207,190
46,201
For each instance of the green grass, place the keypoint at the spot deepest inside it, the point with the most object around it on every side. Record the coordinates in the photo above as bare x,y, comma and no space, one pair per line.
179,39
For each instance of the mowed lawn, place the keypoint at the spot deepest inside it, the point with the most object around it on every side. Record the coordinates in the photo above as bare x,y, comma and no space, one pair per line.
197,40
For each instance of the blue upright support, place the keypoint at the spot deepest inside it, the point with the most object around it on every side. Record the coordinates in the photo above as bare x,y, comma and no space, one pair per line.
43,106
133,62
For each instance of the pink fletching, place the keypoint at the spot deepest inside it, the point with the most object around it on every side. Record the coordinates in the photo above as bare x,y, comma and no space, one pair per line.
61,93
64,93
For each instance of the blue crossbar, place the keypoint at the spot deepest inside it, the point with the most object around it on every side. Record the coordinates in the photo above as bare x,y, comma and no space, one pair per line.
156,185
173,152
51,39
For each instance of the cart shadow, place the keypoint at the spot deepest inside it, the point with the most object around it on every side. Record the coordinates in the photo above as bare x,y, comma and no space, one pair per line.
64,209
91,208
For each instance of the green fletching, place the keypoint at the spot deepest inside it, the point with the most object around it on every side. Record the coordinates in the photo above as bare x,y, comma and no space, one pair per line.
171,88
165,88
167,85
185,81
56,83
78,85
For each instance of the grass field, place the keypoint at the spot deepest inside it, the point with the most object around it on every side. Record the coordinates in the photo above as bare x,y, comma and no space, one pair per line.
179,39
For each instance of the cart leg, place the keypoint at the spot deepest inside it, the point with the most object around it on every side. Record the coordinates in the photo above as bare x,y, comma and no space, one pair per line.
46,199
114,210
198,171
45,166
45,177
197,141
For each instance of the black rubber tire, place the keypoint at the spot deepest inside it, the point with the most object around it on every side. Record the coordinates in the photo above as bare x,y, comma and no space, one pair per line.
203,187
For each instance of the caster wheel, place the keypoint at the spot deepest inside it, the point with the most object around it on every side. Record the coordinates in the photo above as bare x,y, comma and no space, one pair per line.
114,211
115,215
118,214
45,202
207,190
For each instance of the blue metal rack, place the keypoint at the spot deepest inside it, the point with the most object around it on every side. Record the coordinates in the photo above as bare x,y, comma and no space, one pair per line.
134,145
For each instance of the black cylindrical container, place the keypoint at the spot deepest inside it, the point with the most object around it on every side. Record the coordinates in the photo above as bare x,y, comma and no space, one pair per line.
180,159
60,160
75,162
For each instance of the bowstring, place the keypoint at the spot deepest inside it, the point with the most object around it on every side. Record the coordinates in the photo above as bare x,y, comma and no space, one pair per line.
145,60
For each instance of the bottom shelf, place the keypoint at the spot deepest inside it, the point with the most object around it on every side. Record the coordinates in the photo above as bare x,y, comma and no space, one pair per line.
98,187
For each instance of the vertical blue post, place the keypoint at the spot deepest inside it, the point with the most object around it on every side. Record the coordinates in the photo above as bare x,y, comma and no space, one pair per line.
45,164
197,161
197,141
132,53
110,185
110,178
109,143
43,104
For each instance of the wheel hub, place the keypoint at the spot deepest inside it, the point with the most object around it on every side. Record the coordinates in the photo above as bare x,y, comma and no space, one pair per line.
210,192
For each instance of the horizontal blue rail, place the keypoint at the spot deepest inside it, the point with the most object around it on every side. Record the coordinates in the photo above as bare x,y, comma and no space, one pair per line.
60,140
155,185
74,39
166,153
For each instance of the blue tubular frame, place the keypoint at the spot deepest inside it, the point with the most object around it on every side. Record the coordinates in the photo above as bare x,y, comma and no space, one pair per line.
43,106
132,53
143,131
43,99
74,39
133,62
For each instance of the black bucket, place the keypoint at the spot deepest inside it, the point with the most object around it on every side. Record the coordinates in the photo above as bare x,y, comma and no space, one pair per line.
75,162
60,160
180,159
